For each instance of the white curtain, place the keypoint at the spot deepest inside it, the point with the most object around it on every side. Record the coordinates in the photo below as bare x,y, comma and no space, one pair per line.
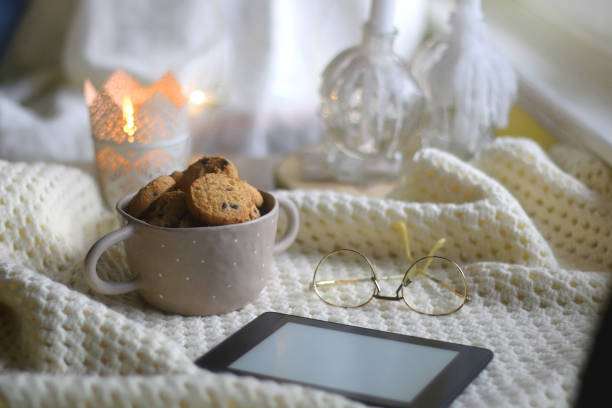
261,59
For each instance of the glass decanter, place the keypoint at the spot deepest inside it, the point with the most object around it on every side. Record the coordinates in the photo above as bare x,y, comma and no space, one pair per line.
370,108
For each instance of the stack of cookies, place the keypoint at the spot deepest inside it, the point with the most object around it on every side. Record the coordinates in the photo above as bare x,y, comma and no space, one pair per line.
209,192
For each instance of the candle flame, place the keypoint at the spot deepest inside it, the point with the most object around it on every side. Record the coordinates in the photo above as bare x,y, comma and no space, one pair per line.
128,115
198,97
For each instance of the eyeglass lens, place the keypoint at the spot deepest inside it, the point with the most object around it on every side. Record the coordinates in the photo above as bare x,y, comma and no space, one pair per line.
344,278
436,286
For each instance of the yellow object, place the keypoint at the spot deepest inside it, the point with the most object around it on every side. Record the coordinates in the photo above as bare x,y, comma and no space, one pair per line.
439,244
520,124
404,232
432,252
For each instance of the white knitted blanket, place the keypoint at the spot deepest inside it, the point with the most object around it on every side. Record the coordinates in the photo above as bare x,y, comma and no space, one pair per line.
532,231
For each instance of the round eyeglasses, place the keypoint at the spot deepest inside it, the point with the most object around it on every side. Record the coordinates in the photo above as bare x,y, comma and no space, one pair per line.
432,285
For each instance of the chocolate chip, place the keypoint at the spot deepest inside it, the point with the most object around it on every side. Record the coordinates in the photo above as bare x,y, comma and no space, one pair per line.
155,194
224,163
234,206
229,189
224,206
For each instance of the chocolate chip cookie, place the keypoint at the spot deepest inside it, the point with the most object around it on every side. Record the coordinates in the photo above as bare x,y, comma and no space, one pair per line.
255,195
189,221
168,211
217,199
146,196
177,176
205,165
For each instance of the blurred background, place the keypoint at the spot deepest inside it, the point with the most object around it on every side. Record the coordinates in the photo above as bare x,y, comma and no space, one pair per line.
252,68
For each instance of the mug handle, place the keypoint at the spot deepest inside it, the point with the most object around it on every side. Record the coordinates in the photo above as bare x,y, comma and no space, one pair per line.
293,224
91,260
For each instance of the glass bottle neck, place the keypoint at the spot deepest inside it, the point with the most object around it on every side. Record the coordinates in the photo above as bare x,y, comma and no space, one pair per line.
377,43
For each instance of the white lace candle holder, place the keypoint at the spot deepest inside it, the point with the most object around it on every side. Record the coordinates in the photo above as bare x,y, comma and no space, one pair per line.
139,132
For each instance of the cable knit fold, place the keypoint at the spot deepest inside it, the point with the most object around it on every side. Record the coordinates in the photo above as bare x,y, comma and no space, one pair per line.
531,231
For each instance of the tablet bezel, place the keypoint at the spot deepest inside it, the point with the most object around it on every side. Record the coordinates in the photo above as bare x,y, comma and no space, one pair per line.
440,392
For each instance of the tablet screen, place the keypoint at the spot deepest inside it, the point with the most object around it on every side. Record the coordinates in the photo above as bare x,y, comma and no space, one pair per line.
346,361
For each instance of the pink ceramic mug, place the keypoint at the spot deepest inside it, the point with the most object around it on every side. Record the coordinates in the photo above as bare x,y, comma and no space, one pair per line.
196,271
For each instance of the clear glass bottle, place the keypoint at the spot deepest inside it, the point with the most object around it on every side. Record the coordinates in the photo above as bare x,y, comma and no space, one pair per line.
370,108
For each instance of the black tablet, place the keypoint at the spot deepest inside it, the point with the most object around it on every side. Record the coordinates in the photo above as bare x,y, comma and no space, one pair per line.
371,366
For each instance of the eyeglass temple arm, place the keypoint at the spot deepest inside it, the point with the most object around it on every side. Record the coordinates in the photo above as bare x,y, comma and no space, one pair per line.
439,244
350,280
338,281
392,277
404,231
438,281
448,287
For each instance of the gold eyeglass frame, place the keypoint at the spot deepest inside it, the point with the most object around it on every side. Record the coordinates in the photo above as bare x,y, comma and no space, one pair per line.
399,292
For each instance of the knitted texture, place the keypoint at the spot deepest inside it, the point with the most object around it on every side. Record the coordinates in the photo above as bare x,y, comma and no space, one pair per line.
536,292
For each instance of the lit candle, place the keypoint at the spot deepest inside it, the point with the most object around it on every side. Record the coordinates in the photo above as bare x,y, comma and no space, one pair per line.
197,97
128,116
200,101
139,132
